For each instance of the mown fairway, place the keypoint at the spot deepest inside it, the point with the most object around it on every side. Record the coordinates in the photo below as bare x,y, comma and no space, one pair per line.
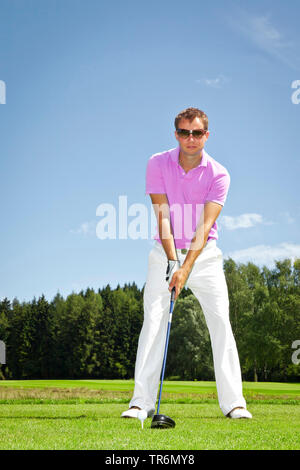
86,415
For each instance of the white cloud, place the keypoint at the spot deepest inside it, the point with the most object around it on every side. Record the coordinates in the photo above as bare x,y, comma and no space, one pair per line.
216,82
252,219
86,228
265,254
266,36
240,221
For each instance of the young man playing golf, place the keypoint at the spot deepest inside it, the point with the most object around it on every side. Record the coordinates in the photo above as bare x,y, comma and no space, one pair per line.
188,189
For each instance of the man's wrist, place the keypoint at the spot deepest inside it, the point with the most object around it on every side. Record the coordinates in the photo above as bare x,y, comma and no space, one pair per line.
186,268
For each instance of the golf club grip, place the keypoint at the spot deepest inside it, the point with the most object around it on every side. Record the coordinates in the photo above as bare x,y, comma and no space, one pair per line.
173,292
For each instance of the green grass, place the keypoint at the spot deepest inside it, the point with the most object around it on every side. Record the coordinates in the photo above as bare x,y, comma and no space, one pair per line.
86,415
100,427
120,391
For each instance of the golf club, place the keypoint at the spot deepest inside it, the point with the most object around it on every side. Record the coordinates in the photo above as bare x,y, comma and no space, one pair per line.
163,421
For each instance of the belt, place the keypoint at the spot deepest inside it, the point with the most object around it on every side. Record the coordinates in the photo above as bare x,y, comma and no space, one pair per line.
184,251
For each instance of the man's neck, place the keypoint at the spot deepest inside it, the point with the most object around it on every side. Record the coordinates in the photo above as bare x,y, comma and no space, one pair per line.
188,162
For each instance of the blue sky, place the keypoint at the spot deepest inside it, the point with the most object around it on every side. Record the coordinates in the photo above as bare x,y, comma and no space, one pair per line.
91,92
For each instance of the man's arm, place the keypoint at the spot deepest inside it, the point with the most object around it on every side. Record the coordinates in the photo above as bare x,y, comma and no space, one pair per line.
211,213
162,211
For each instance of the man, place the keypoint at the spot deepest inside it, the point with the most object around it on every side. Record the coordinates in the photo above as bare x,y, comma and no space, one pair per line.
188,189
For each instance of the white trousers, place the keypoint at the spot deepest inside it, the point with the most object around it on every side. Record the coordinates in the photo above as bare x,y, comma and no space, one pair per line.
207,282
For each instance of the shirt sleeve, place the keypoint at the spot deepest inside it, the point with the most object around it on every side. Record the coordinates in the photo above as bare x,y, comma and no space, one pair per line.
154,178
219,189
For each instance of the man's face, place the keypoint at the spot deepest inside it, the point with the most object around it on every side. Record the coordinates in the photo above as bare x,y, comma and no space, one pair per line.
191,145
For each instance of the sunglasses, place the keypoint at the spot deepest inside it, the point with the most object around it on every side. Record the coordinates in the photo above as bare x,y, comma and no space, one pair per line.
185,133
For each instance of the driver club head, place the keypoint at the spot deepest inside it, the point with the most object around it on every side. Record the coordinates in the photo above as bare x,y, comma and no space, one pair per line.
162,422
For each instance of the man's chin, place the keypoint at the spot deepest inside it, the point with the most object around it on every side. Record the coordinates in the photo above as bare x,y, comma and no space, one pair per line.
189,152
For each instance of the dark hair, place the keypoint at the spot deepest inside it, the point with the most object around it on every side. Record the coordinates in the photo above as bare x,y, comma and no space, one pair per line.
190,114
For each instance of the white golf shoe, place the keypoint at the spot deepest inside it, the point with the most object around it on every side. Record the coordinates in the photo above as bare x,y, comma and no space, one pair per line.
240,413
131,413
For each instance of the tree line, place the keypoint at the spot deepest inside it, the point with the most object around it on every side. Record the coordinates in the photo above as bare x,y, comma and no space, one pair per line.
94,334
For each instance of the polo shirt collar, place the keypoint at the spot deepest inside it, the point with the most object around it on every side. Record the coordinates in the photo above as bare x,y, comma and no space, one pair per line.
174,153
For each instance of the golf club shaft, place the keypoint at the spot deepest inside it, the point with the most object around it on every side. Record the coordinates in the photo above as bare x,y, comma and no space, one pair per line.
166,347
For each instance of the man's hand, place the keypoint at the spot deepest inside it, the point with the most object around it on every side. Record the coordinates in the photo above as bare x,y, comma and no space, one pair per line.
178,280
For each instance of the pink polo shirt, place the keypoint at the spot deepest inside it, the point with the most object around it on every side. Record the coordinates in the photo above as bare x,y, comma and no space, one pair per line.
187,192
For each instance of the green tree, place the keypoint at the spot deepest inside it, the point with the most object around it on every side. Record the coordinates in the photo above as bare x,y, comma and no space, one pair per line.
189,352
77,333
